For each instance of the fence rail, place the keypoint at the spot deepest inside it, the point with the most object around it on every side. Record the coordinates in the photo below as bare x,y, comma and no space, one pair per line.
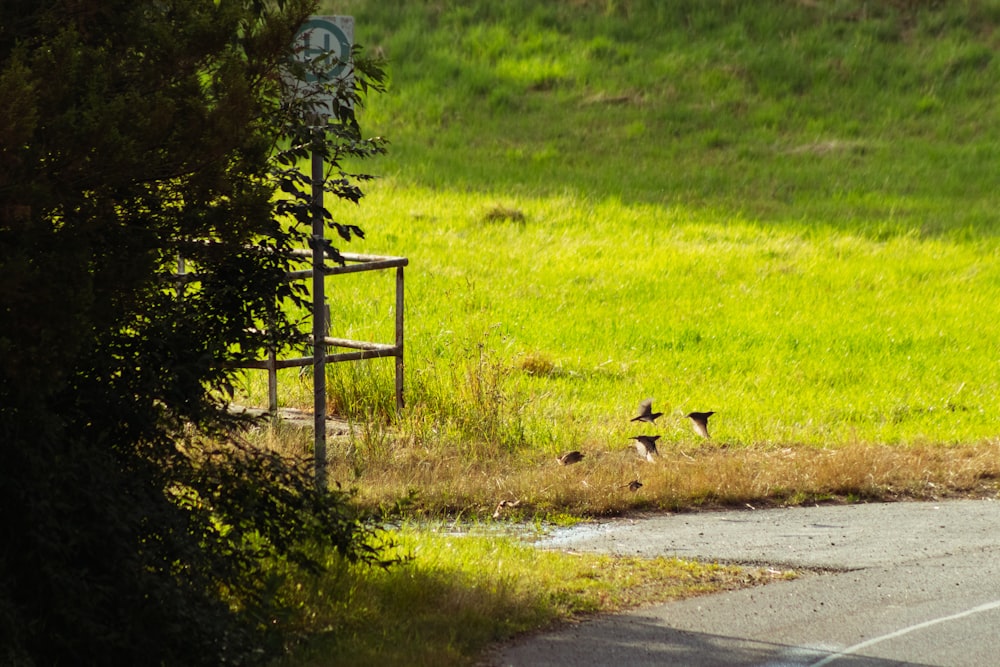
364,349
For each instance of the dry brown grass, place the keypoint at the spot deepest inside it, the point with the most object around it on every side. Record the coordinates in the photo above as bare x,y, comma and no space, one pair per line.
447,482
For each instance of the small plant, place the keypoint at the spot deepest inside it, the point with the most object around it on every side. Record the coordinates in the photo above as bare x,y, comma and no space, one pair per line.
500,213
361,390
537,363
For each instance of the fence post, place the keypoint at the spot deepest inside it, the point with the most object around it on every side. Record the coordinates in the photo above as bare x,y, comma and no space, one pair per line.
399,338
272,383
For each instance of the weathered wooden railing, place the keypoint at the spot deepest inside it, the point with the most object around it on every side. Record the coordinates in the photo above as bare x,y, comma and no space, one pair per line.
364,350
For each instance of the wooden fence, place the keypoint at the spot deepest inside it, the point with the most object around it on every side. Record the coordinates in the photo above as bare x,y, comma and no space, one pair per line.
363,350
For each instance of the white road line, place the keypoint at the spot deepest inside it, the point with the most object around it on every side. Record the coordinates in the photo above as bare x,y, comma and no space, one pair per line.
899,633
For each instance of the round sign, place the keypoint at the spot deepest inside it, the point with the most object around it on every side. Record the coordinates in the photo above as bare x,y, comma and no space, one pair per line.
322,37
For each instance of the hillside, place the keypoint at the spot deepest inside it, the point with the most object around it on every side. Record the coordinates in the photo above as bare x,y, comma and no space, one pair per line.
870,115
781,211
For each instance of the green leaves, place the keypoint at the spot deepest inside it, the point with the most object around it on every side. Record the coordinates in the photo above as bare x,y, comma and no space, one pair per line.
134,135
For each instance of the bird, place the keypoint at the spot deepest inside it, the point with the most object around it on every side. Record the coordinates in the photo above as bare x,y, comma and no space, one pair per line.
569,458
699,421
634,485
503,504
646,413
646,446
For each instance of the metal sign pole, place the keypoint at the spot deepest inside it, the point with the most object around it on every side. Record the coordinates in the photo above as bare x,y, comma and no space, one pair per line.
319,319
321,37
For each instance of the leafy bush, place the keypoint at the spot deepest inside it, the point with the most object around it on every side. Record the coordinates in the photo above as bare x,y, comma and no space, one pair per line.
132,133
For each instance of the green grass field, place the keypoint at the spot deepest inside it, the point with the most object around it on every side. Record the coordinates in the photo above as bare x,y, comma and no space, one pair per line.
783,211
780,211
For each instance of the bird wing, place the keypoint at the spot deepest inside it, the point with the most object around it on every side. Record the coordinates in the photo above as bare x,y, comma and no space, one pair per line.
645,410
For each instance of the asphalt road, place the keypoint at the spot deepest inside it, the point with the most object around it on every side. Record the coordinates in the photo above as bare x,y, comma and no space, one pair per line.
882,584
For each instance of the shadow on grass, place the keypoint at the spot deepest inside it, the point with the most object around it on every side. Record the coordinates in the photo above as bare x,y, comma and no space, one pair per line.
412,615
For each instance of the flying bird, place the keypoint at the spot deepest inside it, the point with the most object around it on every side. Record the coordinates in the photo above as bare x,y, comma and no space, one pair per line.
504,504
646,413
646,446
634,485
699,421
569,458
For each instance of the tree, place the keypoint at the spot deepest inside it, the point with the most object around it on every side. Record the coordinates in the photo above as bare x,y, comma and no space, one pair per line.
134,132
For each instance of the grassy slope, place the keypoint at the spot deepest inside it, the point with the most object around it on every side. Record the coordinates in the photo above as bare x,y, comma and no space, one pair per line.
781,211
784,211
784,111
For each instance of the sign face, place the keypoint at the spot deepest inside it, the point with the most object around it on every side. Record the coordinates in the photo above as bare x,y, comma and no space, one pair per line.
323,43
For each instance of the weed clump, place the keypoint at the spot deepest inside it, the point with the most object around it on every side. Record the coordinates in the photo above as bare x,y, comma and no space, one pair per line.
500,213
537,363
